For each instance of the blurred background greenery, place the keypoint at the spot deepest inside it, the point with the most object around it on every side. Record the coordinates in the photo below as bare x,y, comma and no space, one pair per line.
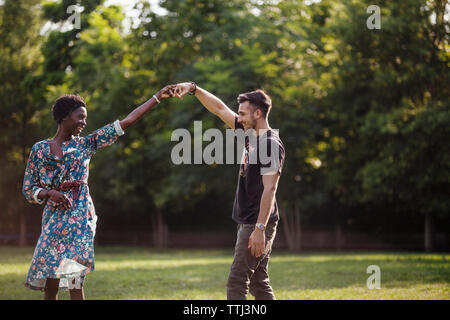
364,114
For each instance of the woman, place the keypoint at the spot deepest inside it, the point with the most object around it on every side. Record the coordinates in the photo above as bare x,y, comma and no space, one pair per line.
56,174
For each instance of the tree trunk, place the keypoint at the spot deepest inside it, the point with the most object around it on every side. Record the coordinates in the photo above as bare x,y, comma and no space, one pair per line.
24,159
287,227
339,238
298,229
429,232
22,212
160,230
22,229
292,227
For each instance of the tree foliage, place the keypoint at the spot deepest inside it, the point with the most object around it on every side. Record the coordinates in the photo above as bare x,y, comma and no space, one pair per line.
364,114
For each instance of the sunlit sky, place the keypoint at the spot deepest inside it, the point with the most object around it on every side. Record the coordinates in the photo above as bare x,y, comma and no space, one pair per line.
131,15
128,6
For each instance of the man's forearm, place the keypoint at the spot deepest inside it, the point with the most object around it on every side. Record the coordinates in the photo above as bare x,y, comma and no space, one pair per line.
266,205
209,101
216,106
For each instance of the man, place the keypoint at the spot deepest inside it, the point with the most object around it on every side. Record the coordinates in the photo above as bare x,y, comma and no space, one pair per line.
255,208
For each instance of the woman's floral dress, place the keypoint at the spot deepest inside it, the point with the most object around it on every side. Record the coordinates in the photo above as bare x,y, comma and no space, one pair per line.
65,248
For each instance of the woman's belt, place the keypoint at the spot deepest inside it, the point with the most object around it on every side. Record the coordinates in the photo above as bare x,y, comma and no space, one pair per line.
71,185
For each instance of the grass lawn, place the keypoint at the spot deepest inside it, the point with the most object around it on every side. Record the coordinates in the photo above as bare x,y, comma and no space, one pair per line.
142,273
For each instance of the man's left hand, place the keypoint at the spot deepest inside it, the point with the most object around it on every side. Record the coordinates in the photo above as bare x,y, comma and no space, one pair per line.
256,242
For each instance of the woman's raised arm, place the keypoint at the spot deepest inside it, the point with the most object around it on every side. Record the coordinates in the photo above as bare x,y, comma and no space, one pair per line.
140,111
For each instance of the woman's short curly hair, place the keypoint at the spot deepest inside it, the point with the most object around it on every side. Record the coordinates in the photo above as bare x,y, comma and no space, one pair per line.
65,105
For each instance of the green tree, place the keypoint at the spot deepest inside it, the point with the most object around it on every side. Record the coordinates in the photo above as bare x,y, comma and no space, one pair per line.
388,107
21,100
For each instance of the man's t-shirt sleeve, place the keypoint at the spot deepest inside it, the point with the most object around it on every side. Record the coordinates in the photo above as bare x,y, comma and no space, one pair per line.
275,152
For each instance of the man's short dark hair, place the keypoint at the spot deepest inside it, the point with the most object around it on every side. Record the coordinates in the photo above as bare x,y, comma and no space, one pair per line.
65,105
258,99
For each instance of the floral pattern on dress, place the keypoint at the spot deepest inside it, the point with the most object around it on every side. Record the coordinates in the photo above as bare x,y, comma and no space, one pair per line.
65,248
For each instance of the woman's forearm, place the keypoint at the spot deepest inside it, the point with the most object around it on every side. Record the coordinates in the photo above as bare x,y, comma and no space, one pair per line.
140,111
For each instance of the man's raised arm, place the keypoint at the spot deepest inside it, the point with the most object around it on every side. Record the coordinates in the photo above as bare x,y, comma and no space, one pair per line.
209,101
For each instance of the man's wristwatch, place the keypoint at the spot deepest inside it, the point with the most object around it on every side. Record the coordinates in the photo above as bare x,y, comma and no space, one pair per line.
195,88
261,226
